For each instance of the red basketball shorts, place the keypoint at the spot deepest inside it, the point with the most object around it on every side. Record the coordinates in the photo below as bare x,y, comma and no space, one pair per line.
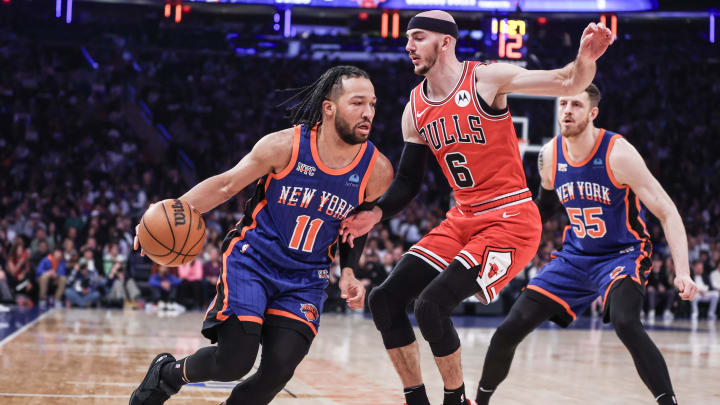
497,244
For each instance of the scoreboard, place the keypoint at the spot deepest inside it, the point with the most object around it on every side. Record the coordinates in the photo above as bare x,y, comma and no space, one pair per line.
508,38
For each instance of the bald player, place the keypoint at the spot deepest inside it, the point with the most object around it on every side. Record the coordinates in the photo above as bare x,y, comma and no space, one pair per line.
459,113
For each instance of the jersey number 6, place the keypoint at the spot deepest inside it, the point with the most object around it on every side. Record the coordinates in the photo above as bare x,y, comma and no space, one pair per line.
461,174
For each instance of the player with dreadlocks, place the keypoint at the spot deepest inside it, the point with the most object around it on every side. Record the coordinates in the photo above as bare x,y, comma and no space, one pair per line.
276,261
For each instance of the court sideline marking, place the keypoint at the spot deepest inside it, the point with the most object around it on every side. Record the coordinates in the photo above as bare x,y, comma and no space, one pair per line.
13,335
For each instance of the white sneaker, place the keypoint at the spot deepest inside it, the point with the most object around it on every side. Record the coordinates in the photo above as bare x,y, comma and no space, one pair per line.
651,314
694,316
668,315
712,317
3,308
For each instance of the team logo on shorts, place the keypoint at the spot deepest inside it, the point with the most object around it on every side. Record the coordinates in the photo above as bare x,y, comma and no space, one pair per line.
617,271
462,98
311,313
324,274
562,167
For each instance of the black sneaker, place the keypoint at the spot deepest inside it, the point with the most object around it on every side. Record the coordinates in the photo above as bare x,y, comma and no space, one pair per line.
152,390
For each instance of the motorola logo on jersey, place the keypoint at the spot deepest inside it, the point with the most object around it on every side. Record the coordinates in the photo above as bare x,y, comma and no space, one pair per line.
462,98
310,312
306,169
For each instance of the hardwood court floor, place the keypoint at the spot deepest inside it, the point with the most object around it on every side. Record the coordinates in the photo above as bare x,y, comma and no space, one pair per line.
98,357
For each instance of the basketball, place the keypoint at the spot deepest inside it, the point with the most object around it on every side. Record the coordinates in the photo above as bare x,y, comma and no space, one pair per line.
171,233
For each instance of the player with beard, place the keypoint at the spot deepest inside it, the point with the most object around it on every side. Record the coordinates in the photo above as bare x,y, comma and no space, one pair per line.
460,113
276,261
604,185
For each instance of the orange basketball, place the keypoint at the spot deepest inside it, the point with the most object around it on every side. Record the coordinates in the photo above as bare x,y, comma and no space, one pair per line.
171,233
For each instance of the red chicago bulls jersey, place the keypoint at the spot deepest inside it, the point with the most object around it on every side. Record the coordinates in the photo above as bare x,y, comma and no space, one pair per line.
475,145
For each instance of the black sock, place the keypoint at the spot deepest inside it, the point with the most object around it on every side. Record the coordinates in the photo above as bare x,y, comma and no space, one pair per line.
483,395
666,399
173,373
416,395
455,397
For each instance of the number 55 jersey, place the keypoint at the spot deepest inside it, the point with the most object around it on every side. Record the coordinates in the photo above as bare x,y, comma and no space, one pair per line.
606,240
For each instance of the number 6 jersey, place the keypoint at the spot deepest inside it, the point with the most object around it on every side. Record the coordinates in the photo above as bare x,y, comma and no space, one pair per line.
294,217
475,145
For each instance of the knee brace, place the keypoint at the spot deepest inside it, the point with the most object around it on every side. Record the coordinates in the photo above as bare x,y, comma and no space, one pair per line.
390,318
436,326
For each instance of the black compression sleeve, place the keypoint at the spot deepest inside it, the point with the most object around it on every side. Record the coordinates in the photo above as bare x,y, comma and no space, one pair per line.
350,256
407,181
547,203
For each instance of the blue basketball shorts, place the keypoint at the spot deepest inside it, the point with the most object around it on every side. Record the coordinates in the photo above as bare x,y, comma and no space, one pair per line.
574,281
253,290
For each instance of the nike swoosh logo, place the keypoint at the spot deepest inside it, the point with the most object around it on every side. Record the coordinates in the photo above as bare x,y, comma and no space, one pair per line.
418,115
506,215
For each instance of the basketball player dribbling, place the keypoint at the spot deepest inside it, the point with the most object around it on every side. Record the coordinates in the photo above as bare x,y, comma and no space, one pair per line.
604,185
276,261
460,113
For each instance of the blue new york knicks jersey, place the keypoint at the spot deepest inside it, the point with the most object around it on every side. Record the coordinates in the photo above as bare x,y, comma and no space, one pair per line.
605,217
294,217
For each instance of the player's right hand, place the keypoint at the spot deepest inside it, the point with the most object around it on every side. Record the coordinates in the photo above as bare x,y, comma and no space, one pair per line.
594,41
358,224
686,287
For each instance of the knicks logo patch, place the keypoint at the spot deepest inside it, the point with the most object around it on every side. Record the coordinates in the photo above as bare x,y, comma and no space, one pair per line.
462,98
616,271
310,312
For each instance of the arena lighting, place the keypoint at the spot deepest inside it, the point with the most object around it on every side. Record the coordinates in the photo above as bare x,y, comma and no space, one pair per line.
384,25
58,8
542,20
287,29
711,37
613,23
363,16
168,10
178,13
396,25
68,11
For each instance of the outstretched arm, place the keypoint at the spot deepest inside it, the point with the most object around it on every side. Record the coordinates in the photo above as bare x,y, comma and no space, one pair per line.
502,78
629,168
271,153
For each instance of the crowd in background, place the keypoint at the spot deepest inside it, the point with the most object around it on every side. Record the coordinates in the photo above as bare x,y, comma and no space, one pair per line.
76,172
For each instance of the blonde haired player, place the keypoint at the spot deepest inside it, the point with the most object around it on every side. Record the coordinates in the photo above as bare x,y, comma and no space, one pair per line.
604,185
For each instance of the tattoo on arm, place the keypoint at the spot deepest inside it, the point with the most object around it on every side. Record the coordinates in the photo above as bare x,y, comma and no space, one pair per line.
540,159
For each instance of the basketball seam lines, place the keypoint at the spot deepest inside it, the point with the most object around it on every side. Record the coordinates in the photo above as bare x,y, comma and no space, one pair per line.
153,236
172,232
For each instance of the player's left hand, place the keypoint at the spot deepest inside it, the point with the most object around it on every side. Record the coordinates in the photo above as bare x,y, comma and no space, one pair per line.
351,290
686,287
594,41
